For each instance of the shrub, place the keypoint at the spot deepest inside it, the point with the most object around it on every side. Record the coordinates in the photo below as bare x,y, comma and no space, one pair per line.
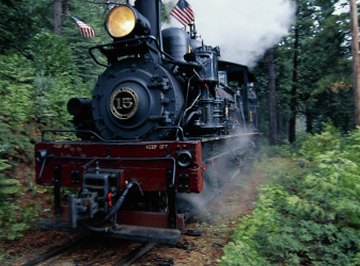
16,116
13,219
310,215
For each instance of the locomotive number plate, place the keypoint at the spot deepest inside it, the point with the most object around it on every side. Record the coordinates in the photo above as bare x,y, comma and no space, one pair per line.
124,103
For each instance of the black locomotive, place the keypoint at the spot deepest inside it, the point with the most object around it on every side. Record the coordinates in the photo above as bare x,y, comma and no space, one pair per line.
163,115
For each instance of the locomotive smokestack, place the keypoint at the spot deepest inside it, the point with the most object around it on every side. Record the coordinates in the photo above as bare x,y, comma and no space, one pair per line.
151,9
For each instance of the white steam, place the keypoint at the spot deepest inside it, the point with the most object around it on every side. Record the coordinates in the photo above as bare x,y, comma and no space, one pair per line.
221,172
244,29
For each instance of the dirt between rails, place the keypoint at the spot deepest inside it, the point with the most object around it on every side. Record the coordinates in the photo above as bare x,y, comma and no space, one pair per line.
214,226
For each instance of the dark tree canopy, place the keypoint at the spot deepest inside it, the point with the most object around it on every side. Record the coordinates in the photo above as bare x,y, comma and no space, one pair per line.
315,87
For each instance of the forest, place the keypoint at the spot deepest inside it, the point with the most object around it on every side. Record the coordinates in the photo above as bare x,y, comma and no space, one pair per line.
307,214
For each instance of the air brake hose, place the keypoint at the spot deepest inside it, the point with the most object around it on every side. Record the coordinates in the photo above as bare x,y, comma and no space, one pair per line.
115,209
121,200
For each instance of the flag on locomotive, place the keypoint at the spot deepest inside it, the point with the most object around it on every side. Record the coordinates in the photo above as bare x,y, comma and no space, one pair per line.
86,31
183,12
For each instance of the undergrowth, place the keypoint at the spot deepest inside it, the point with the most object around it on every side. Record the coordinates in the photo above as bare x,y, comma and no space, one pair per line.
15,216
310,213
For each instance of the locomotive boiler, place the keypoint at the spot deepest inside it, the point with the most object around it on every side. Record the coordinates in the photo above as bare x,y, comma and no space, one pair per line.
164,113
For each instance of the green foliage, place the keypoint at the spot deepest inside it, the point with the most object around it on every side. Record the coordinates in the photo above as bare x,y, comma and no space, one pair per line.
318,144
13,219
16,117
57,80
16,77
310,215
87,69
325,92
39,73
165,11
323,71
35,93
15,29
51,55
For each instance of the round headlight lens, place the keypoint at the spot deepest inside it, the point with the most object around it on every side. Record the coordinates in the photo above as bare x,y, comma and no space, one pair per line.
120,21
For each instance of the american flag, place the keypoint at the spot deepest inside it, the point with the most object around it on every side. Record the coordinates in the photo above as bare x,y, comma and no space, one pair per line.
85,30
183,12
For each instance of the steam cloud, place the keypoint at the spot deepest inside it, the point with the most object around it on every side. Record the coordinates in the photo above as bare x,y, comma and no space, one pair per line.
243,29
225,171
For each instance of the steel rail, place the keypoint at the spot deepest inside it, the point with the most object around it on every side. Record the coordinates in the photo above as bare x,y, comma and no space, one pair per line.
53,252
135,254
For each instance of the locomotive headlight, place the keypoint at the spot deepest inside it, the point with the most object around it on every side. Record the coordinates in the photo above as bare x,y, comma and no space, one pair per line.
120,21
123,20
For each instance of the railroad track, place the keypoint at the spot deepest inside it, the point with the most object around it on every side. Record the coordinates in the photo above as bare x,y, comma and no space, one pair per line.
126,260
53,252
135,254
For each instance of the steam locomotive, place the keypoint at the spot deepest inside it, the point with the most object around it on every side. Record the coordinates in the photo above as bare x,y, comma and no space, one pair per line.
163,116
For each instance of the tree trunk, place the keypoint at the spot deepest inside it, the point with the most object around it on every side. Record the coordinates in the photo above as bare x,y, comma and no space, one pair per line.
293,100
309,122
57,16
355,59
273,130
65,6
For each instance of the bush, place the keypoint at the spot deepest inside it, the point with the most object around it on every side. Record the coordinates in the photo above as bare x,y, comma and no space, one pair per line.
57,80
13,219
34,96
16,109
310,215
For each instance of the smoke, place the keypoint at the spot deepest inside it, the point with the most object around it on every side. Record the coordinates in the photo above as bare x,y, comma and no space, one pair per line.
244,29
221,172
